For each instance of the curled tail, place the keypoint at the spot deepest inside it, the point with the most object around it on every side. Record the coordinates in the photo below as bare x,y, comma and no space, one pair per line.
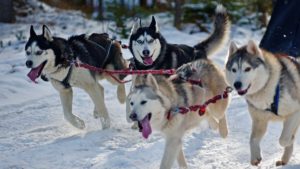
220,35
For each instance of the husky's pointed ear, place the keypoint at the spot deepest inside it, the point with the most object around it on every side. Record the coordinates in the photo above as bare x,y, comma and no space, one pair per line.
137,24
152,81
253,49
153,25
47,33
233,48
32,32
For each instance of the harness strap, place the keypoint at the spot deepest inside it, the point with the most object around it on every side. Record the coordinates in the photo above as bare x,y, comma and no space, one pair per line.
274,106
65,82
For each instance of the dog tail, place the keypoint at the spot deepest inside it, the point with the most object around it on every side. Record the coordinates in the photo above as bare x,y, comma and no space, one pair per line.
220,35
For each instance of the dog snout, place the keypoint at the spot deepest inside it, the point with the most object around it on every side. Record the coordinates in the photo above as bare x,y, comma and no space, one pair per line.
29,63
237,85
146,52
133,116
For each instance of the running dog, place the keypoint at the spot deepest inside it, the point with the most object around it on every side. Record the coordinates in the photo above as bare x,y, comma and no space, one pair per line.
51,57
154,101
271,86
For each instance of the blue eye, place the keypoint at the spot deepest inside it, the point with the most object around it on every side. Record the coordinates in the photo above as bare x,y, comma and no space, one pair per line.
140,42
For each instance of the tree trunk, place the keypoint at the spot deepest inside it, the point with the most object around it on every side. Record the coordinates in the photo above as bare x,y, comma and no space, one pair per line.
7,11
178,13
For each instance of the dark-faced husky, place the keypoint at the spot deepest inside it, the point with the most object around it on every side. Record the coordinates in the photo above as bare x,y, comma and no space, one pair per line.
271,86
51,56
150,50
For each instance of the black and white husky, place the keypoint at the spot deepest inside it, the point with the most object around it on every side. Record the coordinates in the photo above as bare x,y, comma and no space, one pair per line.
50,57
151,51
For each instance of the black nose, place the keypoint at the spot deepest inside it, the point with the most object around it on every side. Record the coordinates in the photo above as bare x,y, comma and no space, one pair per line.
237,85
29,63
146,52
133,116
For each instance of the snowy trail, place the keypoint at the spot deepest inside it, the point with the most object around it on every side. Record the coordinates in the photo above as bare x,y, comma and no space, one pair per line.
34,135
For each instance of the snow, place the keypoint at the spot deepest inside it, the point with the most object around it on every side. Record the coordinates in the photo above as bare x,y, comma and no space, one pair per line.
33,133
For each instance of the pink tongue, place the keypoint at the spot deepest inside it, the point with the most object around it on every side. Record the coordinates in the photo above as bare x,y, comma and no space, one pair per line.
148,60
146,131
35,73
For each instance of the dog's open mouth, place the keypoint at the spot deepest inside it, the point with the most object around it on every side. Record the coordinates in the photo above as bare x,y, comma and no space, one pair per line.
144,126
36,72
148,60
242,92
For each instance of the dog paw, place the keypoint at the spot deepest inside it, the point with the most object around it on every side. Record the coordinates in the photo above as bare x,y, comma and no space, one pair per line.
285,142
255,162
280,163
78,123
96,114
105,123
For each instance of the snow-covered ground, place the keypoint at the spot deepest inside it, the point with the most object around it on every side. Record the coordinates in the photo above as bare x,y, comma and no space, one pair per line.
33,133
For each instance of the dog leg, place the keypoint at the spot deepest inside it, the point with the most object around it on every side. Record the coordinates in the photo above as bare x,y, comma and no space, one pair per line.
66,97
121,93
181,159
172,148
259,128
96,92
223,127
286,155
290,126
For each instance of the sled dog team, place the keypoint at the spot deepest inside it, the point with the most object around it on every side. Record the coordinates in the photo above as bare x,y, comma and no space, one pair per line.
270,83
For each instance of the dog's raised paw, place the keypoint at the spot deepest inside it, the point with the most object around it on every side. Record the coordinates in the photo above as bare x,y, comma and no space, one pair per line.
280,163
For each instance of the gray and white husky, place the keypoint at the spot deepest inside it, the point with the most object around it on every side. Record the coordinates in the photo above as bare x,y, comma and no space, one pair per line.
153,101
150,50
271,86
50,57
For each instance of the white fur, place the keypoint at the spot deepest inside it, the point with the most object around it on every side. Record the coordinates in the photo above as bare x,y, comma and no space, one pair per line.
264,80
146,42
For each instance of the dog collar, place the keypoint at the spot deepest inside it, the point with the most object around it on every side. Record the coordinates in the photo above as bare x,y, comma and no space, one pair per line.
274,106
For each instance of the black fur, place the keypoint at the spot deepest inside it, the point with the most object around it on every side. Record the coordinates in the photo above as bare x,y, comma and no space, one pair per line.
96,50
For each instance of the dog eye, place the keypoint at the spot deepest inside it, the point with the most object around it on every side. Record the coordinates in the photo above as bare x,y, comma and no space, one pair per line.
151,41
140,42
233,70
247,69
27,53
39,52
143,102
131,103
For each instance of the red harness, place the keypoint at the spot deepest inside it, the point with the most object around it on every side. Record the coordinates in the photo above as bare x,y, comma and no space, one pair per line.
201,108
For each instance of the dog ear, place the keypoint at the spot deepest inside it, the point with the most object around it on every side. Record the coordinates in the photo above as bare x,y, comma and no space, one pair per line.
137,24
153,25
233,48
152,81
253,49
47,33
32,32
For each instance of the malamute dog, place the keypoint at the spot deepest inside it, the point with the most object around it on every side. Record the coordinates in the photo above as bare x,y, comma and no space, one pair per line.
271,86
150,50
153,98
51,56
